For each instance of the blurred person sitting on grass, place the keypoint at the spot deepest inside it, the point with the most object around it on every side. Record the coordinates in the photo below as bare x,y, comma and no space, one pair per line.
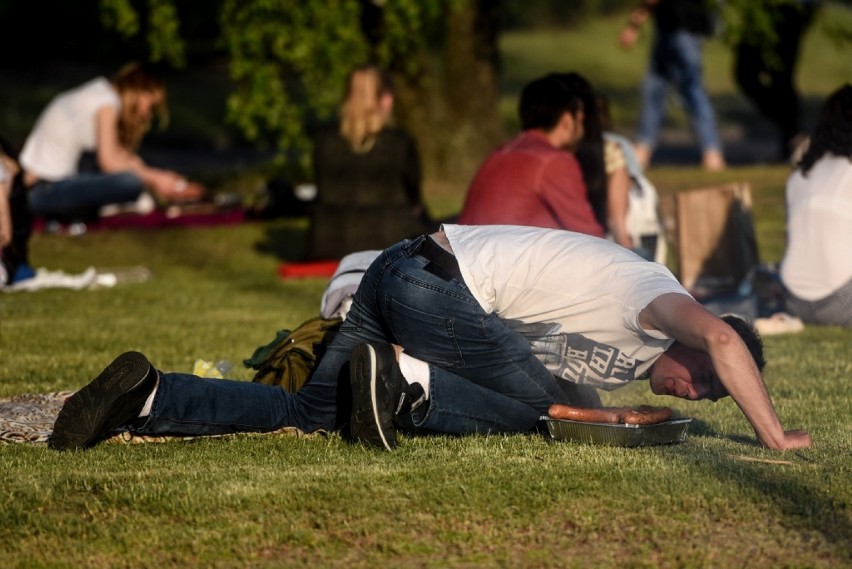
817,266
15,221
367,174
535,179
633,219
108,118
472,329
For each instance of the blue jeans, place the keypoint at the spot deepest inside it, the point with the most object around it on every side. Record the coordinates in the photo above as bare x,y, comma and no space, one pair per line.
676,59
84,193
484,376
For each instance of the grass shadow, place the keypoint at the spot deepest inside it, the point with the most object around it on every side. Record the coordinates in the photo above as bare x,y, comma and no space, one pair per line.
285,241
802,503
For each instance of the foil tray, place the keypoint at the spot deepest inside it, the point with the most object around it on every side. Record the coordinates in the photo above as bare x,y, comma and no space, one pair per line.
665,433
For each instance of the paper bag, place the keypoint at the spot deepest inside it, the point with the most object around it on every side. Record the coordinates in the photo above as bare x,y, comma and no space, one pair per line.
714,238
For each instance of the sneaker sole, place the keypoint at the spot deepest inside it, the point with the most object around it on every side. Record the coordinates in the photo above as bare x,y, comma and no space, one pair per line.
373,400
102,405
362,353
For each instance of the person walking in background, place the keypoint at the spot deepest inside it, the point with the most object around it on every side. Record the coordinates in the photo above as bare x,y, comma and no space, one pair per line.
676,58
817,266
109,118
764,70
367,174
533,179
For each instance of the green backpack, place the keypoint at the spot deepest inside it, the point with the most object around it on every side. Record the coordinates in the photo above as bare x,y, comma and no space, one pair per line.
291,358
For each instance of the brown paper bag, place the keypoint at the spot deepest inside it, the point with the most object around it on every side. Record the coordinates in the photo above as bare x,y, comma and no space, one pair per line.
714,239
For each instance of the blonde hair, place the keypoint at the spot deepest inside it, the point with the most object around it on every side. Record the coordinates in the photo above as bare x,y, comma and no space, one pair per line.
132,80
361,116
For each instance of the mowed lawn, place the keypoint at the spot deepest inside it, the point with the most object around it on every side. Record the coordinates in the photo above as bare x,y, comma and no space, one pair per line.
717,500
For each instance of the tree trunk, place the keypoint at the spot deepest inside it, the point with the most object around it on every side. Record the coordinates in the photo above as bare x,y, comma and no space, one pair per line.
453,108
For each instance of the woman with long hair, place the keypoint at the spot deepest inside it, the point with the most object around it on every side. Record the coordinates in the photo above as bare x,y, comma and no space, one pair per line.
817,267
107,118
367,173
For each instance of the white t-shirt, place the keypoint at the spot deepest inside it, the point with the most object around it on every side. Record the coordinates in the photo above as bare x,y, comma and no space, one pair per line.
576,297
67,128
819,229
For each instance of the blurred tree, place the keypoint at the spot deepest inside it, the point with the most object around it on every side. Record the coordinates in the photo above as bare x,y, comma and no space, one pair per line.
162,34
289,60
525,14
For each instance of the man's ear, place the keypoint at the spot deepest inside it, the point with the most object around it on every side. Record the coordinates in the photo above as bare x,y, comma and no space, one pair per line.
566,122
564,129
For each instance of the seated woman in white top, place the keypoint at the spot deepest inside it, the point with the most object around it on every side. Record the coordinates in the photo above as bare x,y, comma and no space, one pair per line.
817,266
109,118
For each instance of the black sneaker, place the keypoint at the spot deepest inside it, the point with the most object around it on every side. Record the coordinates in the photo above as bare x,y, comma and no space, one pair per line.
379,395
112,399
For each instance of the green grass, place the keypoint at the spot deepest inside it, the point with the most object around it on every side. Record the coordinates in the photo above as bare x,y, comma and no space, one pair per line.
592,50
496,501
718,500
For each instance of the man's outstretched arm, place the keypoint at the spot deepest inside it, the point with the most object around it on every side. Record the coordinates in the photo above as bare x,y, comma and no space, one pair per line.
685,320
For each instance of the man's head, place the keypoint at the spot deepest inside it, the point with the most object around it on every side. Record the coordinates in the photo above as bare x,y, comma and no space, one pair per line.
551,102
689,373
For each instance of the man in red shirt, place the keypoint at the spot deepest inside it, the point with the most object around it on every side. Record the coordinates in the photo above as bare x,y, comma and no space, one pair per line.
533,179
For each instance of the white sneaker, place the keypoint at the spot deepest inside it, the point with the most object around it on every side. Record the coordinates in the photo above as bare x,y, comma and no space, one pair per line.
143,205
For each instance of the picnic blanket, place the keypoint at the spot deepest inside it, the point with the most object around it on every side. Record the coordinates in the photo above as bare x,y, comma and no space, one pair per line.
29,418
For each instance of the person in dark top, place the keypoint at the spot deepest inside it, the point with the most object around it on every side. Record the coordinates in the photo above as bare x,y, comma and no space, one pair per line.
367,174
765,72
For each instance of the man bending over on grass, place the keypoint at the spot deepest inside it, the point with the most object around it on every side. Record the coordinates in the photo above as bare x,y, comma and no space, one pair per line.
493,321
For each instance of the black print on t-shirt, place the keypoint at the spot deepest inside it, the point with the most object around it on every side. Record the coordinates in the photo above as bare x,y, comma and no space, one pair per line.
580,360
575,357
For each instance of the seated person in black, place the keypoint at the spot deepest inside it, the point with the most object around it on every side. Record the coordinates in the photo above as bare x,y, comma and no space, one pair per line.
367,174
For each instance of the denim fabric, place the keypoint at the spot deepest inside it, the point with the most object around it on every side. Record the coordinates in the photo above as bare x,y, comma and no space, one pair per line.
676,59
83,193
484,377
832,310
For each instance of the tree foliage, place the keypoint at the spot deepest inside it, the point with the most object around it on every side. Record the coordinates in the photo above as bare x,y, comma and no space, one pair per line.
162,32
285,56
289,60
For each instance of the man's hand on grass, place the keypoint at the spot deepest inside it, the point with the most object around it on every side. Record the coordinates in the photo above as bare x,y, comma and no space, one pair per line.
791,441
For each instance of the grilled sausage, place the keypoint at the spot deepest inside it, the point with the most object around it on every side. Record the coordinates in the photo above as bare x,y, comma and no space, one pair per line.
643,415
586,414
646,415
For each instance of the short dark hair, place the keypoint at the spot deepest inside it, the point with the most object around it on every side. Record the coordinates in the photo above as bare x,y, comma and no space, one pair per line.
750,336
544,100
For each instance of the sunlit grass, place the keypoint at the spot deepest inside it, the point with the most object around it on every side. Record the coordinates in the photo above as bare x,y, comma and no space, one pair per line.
718,500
